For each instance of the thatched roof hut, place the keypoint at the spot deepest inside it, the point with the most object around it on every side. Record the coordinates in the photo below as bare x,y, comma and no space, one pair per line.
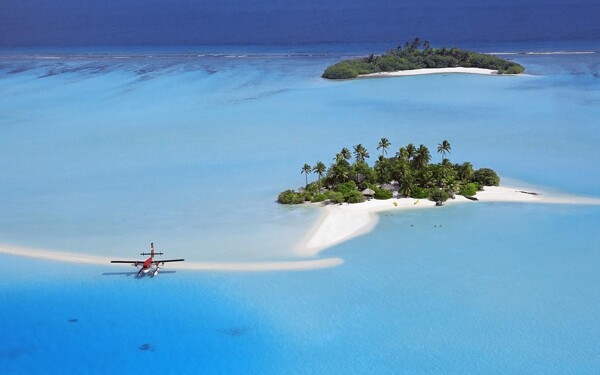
368,193
394,186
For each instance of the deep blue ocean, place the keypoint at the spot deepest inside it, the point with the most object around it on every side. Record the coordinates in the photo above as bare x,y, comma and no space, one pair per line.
123,123
217,22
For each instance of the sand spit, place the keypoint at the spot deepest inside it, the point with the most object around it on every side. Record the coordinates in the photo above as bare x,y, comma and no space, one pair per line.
58,256
339,223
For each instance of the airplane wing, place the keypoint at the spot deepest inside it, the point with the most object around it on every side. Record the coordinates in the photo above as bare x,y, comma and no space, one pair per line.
130,273
141,261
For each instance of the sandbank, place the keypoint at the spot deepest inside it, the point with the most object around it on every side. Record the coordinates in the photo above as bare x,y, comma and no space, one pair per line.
339,223
59,256
424,71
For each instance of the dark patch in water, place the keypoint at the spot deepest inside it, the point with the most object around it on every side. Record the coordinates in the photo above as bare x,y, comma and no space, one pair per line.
235,332
146,347
14,353
81,69
258,96
49,73
73,320
20,69
528,192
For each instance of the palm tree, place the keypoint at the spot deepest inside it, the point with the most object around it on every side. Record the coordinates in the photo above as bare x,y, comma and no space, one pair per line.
360,153
406,181
306,169
382,169
339,172
384,144
346,153
466,172
444,148
412,151
402,154
416,43
338,158
319,169
422,157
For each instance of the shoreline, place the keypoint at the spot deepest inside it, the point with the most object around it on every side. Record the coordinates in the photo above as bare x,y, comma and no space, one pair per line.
340,223
336,224
427,71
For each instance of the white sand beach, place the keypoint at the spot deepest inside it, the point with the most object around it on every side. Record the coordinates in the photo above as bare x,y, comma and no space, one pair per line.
339,223
417,72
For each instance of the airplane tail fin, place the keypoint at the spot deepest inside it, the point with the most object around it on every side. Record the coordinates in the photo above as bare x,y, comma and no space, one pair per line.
151,253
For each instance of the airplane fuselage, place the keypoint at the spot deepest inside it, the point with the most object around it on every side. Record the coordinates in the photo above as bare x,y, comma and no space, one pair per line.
147,267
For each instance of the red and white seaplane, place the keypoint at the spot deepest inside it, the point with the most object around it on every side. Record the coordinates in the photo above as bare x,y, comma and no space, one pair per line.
146,265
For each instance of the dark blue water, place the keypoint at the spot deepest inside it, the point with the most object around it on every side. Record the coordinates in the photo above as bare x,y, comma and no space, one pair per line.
161,22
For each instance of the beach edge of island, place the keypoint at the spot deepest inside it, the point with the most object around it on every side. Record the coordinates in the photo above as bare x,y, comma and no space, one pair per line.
430,71
340,223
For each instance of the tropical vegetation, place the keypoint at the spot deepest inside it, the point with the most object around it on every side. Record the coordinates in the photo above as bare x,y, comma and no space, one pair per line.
409,173
412,57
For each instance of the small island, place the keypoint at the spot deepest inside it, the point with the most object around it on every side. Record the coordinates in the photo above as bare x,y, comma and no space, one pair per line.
411,57
409,173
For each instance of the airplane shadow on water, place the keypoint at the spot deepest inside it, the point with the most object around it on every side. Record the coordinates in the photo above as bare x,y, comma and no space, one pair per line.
134,274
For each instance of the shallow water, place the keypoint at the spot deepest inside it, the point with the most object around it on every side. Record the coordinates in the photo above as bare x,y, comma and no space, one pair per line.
105,156
491,288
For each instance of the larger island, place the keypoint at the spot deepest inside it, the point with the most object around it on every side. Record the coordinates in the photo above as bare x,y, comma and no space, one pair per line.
415,56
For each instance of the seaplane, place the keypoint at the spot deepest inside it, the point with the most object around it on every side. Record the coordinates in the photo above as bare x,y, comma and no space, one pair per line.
150,265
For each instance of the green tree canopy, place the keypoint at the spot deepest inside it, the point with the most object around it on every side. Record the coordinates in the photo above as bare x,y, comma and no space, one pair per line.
410,170
411,57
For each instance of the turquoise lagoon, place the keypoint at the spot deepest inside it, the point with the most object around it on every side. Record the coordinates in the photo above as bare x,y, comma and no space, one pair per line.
102,155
